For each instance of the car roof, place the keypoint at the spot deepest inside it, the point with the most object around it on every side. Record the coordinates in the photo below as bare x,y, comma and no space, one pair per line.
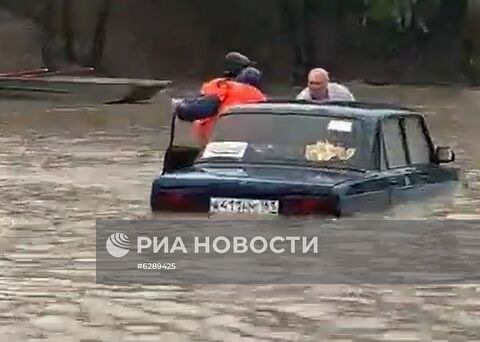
367,110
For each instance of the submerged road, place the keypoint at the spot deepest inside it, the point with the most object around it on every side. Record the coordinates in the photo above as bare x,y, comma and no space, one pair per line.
63,168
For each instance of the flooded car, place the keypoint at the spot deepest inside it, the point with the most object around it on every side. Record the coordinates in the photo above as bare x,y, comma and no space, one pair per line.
297,158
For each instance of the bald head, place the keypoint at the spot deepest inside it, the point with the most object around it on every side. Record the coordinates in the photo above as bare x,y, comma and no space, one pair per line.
318,73
318,83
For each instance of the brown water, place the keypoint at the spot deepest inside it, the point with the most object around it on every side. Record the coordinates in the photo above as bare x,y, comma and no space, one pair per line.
62,168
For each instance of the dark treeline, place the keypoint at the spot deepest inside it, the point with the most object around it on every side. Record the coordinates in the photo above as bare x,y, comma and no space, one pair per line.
375,40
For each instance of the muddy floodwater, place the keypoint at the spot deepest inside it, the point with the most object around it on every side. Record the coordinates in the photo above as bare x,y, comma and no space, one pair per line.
63,167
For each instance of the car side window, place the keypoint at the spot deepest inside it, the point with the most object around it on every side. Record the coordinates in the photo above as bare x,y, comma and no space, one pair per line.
393,140
418,146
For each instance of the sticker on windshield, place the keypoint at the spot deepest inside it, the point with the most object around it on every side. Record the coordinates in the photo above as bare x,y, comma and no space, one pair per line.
226,149
340,125
324,151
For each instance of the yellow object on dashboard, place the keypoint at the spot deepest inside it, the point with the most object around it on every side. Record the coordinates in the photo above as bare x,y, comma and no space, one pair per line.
324,151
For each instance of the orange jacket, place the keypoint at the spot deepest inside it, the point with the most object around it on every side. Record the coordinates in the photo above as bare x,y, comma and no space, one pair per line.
230,93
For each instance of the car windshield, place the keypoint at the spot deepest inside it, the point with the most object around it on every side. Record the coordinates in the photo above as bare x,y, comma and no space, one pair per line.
322,141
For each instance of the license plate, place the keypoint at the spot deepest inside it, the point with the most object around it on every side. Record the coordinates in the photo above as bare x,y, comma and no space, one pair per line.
243,206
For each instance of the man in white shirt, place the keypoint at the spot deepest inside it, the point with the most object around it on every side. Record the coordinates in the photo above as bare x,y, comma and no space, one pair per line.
321,89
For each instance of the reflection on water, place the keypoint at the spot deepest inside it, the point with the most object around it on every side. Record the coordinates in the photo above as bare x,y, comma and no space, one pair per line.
63,168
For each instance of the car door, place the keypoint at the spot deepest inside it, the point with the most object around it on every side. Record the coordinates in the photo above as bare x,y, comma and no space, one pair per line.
182,148
427,178
397,168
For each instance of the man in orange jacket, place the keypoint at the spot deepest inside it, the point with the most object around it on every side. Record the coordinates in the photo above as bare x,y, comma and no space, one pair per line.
217,96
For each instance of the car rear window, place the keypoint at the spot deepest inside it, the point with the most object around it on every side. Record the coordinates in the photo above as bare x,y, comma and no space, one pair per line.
308,139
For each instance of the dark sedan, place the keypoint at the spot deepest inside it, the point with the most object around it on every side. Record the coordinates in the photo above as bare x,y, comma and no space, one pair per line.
300,158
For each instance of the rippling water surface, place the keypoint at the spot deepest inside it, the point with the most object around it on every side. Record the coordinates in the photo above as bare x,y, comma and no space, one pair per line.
62,168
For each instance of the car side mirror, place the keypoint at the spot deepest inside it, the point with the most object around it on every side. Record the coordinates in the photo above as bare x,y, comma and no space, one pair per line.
443,154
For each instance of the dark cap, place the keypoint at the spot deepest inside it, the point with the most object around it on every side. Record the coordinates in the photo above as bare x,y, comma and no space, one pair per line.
235,62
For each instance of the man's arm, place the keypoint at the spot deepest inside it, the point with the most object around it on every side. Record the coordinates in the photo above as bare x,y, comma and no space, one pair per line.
339,92
303,95
348,94
198,108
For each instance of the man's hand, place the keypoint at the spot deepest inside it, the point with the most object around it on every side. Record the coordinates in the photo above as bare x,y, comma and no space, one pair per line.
176,102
